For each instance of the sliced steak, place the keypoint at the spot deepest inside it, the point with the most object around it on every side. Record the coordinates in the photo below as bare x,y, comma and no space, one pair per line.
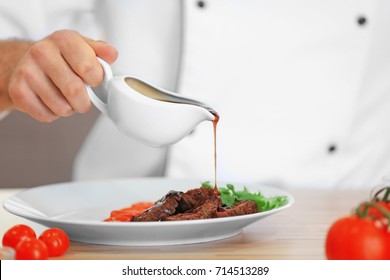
206,210
242,207
199,203
163,208
194,197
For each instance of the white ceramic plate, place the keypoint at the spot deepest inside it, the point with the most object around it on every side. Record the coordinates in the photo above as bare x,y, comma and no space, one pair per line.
79,208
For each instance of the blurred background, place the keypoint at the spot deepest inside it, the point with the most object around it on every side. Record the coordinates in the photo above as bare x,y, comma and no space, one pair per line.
42,152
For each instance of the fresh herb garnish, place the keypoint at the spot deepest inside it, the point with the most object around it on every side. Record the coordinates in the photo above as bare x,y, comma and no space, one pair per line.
230,196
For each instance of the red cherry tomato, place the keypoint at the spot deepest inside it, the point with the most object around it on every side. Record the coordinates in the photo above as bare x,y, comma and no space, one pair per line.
356,238
31,249
56,240
16,233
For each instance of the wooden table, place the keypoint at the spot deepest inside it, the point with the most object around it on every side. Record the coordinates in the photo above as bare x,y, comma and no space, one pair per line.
296,233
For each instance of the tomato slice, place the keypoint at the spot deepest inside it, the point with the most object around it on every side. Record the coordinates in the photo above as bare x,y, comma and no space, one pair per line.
118,218
125,214
142,205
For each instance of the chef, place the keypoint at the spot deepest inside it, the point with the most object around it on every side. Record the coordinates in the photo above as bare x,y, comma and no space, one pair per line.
302,87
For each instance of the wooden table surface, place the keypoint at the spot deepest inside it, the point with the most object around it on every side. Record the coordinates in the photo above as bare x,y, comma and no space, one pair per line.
296,233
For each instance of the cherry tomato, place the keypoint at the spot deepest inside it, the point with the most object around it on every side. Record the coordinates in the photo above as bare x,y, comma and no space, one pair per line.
16,233
56,240
30,248
356,238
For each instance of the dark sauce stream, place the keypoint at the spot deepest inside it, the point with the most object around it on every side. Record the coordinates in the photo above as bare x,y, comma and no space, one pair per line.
215,122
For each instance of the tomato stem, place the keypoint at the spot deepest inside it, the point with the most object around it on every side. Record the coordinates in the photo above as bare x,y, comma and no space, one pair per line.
386,196
363,210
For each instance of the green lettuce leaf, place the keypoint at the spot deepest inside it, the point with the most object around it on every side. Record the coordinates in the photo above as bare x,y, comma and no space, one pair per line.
230,196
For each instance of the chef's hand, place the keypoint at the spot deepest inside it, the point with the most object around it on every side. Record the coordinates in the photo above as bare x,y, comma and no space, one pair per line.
49,80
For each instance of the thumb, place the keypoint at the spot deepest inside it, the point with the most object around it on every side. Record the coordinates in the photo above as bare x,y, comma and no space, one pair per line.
103,50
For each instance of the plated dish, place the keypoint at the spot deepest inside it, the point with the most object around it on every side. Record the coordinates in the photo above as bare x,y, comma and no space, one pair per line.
79,208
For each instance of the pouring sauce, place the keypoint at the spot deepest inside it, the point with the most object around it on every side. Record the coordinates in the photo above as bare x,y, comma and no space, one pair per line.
151,92
215,122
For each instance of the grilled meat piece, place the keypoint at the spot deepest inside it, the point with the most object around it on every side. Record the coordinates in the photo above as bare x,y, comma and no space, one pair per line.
199,203
163,208
240,208
206,210
193,198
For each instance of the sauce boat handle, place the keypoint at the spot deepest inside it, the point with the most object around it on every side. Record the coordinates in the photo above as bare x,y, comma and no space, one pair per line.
99,95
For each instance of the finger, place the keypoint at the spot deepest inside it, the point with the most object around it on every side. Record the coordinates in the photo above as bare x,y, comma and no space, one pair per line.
103,50
62,76
48,92
79,55
26,100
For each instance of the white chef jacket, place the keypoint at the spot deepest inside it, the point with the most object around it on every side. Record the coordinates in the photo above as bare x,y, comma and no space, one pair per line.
302,88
